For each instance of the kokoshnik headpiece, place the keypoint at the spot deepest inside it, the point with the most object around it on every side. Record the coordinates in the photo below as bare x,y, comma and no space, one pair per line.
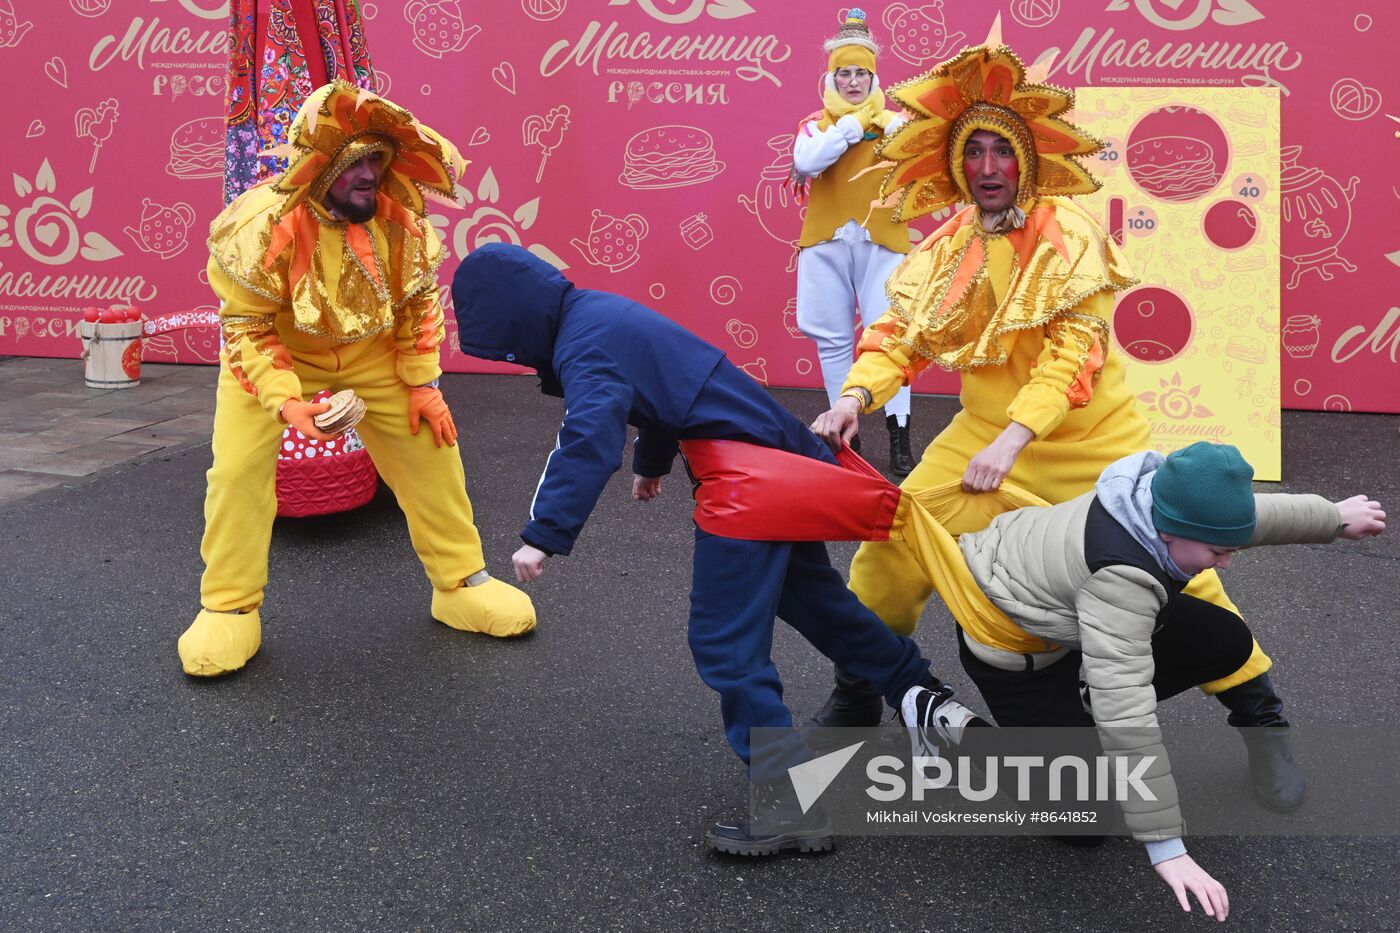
984,87
852,44
340,124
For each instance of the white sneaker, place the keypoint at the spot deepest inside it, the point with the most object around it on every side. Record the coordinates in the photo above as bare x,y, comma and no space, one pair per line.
936,721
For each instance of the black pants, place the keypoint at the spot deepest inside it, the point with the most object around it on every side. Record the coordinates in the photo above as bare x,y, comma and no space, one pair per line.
1195,642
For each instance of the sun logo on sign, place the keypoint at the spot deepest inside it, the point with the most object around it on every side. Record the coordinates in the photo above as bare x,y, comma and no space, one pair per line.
46,227
1174,401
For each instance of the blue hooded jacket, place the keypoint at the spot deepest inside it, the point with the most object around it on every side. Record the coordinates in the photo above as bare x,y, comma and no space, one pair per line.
615,363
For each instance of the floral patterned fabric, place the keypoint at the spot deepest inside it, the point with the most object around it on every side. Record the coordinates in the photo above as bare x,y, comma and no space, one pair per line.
273,69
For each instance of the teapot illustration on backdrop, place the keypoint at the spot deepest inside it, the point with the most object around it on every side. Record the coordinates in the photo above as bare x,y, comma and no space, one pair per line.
918,33
12,28
612,241
162,230
438,27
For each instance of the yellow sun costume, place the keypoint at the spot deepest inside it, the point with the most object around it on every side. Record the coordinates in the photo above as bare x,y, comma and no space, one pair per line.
311,302
1018,303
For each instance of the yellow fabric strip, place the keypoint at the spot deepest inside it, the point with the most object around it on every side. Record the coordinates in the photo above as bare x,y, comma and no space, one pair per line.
936,549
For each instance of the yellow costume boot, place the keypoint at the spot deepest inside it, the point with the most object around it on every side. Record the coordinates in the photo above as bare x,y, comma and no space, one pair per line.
219,643
492,608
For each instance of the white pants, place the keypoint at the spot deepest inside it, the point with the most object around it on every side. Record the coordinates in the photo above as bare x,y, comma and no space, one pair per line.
834,279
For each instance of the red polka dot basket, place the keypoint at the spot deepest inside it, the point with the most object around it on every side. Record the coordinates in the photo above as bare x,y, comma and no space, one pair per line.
323,477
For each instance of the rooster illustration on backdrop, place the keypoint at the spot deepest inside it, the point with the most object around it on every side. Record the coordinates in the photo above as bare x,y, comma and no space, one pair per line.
96,125
547,132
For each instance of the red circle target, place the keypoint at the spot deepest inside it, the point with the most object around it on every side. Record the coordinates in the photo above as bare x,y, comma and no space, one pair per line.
1153,324
1177,153
1230,224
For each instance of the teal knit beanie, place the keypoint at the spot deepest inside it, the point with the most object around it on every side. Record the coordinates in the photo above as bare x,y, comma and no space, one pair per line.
1202,492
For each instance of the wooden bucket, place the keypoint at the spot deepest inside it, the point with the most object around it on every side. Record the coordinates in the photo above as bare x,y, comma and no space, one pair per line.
111,354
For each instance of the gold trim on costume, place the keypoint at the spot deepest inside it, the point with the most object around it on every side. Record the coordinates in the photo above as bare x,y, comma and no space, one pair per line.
1050,285
341,306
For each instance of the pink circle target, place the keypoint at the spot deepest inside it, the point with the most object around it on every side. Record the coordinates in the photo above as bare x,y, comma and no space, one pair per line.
1177,154
1153,324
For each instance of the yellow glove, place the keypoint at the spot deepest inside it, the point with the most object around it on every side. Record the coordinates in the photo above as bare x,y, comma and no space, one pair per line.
426,403
302,416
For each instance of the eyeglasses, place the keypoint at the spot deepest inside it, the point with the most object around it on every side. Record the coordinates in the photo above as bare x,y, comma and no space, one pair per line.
847,75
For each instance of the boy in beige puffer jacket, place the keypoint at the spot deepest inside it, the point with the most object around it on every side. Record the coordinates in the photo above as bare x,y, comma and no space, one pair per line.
1099,579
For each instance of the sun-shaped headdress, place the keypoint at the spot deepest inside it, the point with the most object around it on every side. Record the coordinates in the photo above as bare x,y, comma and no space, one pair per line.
340,124
984,87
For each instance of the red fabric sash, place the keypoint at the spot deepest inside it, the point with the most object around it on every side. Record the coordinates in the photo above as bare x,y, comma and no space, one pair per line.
757,493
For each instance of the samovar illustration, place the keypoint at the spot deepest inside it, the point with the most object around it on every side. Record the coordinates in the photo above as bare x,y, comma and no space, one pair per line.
1316,218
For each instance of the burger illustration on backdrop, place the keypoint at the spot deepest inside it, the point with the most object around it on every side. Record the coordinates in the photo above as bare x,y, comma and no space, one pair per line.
197,149
669,157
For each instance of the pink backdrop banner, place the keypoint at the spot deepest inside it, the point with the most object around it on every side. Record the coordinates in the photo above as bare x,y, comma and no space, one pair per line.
643,145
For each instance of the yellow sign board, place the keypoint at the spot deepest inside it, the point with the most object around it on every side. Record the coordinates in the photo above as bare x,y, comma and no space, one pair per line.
1191,193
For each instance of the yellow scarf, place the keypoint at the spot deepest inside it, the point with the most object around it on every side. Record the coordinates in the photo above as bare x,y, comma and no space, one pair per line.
870,112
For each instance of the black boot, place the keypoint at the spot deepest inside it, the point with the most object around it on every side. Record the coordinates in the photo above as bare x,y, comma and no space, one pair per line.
776,823
854,703
1278,781
1257,712
901,457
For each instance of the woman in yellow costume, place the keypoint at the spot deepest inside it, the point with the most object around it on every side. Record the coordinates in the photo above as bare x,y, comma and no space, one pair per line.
1015,293
848,250
327,276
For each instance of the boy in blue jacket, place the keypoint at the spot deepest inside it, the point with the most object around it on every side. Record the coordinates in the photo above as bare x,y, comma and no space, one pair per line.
615,363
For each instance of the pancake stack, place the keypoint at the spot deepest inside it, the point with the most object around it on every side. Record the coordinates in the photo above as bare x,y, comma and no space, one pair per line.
346,411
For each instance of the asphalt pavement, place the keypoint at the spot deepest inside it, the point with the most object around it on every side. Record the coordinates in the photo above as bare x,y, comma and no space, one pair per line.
373,770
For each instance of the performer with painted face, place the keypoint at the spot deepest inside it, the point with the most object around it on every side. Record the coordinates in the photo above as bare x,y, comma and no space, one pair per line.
327,277
1015,293
848,250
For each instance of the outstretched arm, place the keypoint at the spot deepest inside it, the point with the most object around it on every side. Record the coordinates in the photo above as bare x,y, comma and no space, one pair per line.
1305,518
597,401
